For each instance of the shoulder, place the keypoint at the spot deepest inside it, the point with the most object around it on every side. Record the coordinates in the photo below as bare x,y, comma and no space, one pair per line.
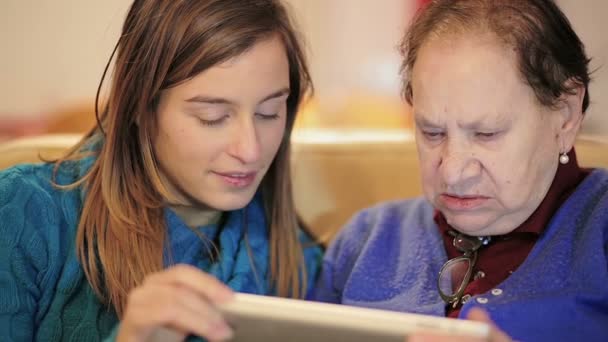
587,208
596,192
36,234
25,182
394,217
30,202
597,178
371,243
383,228
591,193
22,184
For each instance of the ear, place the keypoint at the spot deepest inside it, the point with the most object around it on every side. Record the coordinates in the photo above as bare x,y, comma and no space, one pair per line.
571,113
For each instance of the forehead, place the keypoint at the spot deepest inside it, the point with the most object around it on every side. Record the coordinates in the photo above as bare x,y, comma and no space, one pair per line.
261,69
471,76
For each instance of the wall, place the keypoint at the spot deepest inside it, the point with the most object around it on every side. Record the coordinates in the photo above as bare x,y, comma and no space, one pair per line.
590,20
54,51
353,43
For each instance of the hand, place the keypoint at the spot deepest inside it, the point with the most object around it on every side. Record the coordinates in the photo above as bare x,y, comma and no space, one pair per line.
476,314
175,303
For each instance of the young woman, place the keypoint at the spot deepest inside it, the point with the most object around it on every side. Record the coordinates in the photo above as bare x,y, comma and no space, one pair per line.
182,190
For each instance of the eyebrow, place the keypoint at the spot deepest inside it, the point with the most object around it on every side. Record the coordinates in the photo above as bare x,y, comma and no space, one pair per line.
220,100
421,121
502,119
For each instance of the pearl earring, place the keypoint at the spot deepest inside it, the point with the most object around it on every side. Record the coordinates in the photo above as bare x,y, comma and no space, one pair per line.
563,158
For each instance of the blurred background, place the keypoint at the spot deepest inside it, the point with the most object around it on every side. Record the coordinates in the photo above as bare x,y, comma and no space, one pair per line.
54,52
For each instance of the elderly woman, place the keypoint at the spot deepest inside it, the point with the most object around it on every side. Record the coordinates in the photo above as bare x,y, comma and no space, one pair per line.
509,222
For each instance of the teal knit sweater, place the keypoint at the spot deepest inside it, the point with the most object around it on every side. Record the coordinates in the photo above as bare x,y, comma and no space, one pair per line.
44,295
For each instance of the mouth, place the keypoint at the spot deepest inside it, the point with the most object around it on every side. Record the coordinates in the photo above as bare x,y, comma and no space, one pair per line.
461,202
237,179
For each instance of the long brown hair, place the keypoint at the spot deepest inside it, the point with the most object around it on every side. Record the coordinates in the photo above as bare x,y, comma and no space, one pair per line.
121,233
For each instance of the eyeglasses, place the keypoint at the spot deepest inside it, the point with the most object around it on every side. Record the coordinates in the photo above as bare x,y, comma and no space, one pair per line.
455,274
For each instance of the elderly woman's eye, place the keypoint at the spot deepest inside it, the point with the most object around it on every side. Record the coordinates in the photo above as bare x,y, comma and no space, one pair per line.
433,135
486,135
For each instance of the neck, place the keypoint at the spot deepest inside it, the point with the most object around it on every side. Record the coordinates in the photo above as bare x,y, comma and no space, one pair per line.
195,217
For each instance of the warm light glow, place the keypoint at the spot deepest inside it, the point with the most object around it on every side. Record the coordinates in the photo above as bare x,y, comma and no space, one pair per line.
350,136
358,111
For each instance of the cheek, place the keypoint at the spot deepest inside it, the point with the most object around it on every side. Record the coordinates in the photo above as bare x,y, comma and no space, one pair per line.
428,160
189,146
162,145
271,138
517,180
501,174
429,167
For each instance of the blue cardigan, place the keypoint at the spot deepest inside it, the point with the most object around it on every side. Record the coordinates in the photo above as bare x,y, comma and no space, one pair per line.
44,294
389,257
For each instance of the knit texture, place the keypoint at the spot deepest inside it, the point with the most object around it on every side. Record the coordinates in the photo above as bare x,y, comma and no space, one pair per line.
389,257
44,295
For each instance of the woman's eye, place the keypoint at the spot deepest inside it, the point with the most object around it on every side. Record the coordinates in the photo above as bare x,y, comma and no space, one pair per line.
214,122
267,116
486,135
433,135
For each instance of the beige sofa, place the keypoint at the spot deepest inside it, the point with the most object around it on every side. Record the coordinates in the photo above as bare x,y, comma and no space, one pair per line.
335,173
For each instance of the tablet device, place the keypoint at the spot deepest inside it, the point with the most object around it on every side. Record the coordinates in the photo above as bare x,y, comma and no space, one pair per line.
257,318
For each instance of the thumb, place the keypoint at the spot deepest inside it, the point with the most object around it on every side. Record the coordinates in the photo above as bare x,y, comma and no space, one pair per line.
480,315
166,335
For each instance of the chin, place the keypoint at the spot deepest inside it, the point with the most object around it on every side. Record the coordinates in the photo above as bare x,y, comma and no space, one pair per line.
231,201
468,224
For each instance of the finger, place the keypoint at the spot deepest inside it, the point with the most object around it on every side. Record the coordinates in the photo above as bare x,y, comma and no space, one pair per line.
166,335
179,309
205,309
143,315
475,314
198,320
480,315
193,278
430,337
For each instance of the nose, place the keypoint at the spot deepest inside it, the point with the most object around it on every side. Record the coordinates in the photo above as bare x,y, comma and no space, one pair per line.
245,144
458,165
